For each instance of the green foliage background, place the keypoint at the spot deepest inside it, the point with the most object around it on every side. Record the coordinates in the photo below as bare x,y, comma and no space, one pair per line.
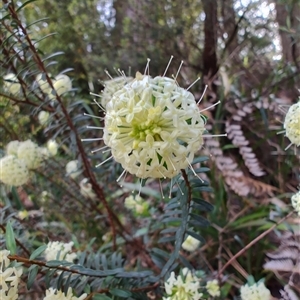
247,55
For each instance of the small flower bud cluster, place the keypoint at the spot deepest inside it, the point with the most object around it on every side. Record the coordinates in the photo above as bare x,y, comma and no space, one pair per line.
296,202
21,157
190,244
9,277
213,288
61,84
153,127
137,204
257,291
184,286
11,84
60,251
53,294
13,171
292,124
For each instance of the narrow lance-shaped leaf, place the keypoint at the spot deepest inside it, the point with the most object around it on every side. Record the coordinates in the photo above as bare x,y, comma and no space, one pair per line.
10,239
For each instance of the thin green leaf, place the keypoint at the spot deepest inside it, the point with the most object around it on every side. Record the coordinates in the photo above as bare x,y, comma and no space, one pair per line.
101,297
200,159
10,239
198,220
32,272
37,252
167,239
120,293
196,236
161,253
24,4
172,219
202,205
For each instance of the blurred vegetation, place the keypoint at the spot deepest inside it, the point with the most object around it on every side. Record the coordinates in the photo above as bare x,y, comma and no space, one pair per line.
248,55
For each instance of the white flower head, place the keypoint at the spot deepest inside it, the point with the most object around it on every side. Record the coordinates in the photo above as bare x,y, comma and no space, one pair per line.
111,86
43,117
292,124
53,294
9,277
72,169
11,83
190,244
153,127
12,148
30,153
59,251
13,171
257,291
213,288
184,286
52,147
296,202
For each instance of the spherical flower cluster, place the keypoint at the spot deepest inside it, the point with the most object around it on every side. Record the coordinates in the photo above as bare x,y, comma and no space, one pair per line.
12,148
213,288
137,204
185,286
30,153
257,291
53,294
9,277
59,251
190,244
292,124
72,169
111,86
153,127
21,157
11,84
296,202
61,84
13,171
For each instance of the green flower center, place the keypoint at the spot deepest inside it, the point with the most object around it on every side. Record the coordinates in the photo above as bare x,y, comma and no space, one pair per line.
140,131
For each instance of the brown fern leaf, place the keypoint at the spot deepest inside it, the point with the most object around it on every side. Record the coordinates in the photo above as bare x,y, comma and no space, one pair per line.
285,263
288,294
235,134
234,177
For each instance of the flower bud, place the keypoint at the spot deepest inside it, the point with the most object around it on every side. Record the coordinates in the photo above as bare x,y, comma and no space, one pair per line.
72,169
11,84
52,147
62,84
43,117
